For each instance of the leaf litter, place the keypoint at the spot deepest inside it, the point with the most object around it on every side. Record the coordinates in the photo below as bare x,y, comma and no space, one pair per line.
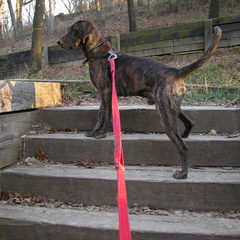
27,199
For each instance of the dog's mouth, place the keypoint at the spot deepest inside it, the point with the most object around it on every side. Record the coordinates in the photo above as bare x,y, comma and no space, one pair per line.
59,42
77,43
67,46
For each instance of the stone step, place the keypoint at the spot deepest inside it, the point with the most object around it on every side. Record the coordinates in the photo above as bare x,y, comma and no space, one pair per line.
22,222
205,189
147,149
143,118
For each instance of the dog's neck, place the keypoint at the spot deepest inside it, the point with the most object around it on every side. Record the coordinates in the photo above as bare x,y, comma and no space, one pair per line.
93,49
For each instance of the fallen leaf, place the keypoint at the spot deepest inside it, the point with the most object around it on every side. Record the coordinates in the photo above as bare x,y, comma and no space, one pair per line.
39,154
52,130
212,132
233,135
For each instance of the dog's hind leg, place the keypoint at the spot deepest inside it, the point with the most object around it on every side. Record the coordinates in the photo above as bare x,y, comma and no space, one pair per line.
188,123
168,116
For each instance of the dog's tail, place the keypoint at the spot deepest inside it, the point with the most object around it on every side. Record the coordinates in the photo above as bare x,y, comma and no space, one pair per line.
183,72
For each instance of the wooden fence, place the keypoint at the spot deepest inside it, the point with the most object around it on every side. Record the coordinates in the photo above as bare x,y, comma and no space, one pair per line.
181,38
177,39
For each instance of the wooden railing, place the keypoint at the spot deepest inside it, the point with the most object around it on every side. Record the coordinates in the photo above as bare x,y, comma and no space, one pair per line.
178,39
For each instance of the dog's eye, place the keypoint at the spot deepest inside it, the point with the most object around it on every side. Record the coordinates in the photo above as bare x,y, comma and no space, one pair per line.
75,32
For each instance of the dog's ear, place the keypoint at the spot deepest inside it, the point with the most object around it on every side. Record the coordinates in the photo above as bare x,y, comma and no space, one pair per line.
86,29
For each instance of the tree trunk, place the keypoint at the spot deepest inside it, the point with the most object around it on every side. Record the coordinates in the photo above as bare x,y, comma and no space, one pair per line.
36,51
1,20
132,16
19,24
13,19
51,17
214,9
98,5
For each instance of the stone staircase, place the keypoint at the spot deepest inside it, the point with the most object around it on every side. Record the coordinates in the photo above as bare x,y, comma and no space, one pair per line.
204,206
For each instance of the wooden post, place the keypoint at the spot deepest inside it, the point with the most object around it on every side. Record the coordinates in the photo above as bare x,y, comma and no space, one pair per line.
207,33
23,95
115,41
132,16
44,56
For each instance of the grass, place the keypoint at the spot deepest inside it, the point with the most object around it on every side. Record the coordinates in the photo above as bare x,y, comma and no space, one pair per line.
73,94
221,71
218,80
222,96
70,72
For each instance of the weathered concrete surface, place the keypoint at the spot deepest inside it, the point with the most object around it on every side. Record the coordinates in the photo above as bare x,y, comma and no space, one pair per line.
143,118
151,149
205,189
18,222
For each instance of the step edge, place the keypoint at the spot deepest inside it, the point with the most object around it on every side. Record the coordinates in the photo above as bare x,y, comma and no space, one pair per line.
160,175
134,137
159,224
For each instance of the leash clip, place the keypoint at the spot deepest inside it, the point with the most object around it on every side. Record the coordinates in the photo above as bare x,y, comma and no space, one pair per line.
113,54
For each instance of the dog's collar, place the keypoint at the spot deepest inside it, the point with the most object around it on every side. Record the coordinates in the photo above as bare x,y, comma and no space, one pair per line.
96,46
93,57
110,54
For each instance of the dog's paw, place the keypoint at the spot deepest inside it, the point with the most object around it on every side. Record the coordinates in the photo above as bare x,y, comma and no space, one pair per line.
100,135
91,134
185,135
96,134
180,175
151,101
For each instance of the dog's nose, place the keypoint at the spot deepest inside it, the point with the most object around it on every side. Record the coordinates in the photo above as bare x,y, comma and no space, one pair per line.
59,41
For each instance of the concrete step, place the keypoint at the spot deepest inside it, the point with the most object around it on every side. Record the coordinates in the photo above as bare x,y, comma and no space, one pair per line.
143,118
22,222
205,188
150,149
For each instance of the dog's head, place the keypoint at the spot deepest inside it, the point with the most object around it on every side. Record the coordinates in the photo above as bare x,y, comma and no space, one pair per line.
81,33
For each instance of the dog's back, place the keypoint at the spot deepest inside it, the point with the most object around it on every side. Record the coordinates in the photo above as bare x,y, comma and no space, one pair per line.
138,76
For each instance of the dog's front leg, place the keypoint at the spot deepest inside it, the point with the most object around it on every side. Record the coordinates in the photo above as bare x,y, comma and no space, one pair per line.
106,112
99,123
104,116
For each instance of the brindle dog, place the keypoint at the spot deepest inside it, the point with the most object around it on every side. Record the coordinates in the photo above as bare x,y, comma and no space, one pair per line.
136,76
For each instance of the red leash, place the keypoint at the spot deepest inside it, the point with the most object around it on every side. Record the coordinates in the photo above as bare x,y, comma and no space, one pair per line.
124,226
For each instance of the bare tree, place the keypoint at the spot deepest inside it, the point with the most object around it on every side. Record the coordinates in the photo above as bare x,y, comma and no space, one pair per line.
29,9
19,23
25,3
36,50
98,5
50,16
13,19
1,20
71,5
83,6
17,19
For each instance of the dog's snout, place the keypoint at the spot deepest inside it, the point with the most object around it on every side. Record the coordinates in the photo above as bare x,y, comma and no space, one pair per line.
59,41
